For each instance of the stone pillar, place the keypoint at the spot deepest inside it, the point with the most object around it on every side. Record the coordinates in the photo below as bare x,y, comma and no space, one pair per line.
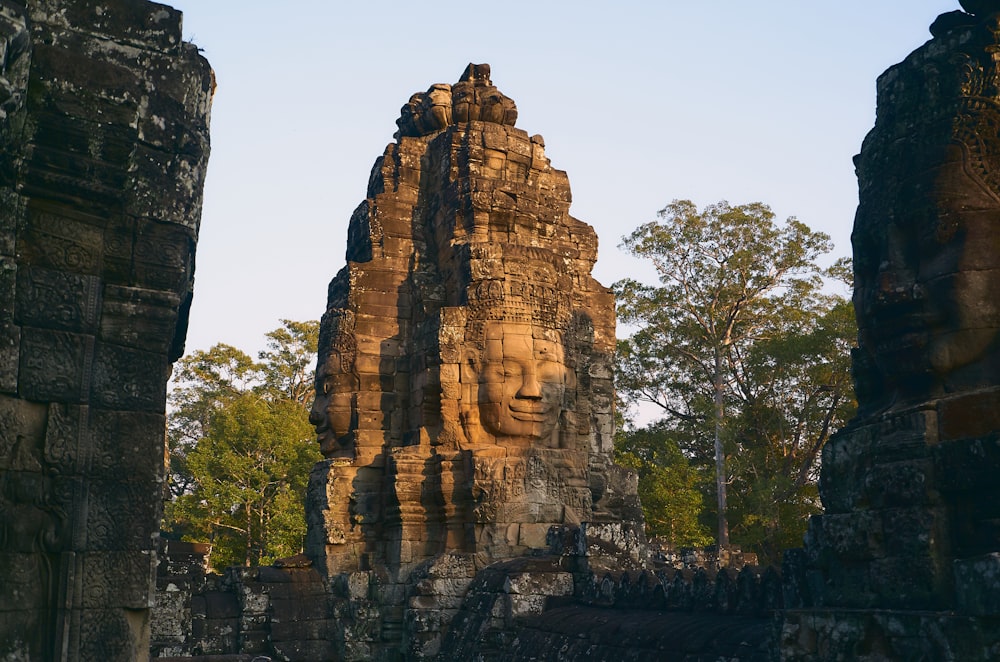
905,561
104,135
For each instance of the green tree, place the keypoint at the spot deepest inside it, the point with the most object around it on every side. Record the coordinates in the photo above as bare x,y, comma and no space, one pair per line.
669,486
795,391
731,281
290,359
241,447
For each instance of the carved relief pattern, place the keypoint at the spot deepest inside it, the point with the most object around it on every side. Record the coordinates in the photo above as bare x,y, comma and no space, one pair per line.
55,365
96,256
57,300
909,485
56,242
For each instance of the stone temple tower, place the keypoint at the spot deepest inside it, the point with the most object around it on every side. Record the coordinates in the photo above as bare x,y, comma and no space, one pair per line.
904,564
464,386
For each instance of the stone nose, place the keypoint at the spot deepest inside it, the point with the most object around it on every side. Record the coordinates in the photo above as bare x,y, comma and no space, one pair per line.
316,413
530,388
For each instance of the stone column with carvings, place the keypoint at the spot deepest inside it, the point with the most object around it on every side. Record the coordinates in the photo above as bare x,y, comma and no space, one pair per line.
905,561
104,136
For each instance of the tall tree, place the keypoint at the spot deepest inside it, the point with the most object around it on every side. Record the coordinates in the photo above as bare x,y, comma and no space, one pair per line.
241,447
723,273
289,360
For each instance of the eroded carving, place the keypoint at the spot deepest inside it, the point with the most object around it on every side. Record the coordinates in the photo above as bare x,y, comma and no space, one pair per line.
911,503
474,98
514,387
463,390
99,210
927,253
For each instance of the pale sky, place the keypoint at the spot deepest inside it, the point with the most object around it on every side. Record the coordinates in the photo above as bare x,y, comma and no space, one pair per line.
640,102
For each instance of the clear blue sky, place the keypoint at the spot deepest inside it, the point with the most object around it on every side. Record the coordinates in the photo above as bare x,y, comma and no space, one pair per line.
640,102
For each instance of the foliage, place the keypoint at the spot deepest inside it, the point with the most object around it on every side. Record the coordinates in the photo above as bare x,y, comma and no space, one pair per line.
290,359
746,357
669,487
241,447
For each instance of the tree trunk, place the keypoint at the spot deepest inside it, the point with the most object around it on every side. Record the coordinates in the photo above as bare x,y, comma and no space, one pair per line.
248,555
720,456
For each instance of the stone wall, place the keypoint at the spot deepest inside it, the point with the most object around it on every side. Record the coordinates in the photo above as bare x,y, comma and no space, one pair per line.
286,612
904,564
543,606
103,145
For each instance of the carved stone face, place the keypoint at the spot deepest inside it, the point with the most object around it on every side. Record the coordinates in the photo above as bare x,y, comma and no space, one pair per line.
927,286
332,412
521,383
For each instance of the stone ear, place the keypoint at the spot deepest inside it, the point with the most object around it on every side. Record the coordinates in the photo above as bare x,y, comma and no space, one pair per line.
471,365
569,378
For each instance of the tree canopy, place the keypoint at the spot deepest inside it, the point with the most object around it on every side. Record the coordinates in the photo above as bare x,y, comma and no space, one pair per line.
742,351
241,447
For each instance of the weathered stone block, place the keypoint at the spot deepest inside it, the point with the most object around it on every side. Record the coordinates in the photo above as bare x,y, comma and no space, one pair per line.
163,256
61,239
119,579
300,630
903,582
20,574
110,634
128,379
319,650
914,532
967,465
128,446
139,318
57,300
122,515
119,246
299,609
977,585
10,345
853,536
23,425
171,617
67,177
67,440
970,416
220,636
55,366
895,484
220,606
845,457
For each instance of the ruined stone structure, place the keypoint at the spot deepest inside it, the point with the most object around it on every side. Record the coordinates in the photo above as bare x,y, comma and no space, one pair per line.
905,562
464,394
549,606
468,508
103,146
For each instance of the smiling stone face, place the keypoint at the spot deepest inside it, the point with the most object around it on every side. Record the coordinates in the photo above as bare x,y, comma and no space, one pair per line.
520,382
